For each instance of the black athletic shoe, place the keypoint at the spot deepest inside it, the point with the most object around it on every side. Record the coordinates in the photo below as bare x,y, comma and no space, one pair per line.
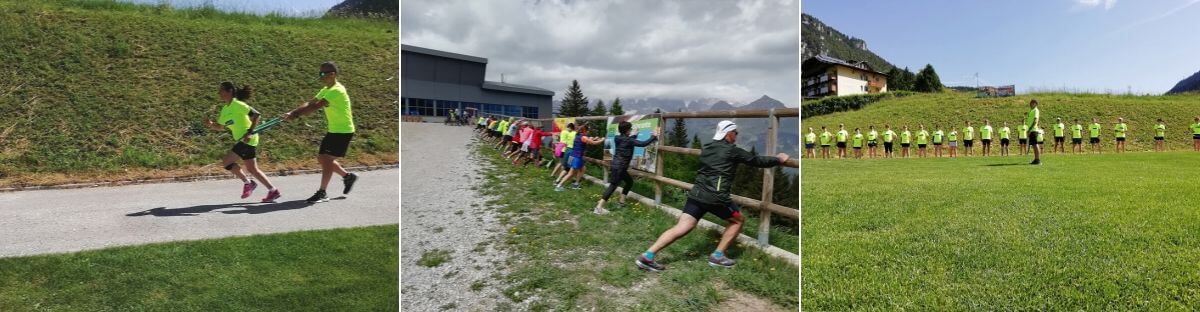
647,264
1036,162
318,197
348,182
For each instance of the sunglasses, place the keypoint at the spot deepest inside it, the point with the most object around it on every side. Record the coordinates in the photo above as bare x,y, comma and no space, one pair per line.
324,73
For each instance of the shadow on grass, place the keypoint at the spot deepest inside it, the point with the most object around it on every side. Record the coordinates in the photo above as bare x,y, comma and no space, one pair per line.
1007,164
247,208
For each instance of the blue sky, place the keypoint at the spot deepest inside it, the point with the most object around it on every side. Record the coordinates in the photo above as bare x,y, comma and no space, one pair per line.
262,7
1083,45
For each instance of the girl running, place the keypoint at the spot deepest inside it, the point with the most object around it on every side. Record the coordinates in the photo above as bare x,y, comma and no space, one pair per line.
240,118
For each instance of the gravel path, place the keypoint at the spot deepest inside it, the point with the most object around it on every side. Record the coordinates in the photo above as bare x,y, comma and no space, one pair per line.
55,221
441,212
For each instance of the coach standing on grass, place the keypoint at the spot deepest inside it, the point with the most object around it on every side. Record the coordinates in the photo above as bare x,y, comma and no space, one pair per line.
1031,122
340,122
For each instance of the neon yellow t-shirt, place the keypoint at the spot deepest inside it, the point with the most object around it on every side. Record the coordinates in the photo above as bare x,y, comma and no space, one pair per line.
1041,138
1003,133
1058,130
922,136
858,139
953,137
1195,128
236,117
1120,129
810,138
969,133
937,136
889,135
1160,130
568,137
985,132
905,137
1094,130
1024,131
1077,131
825,137
873,135
1032,118
841,136
338,116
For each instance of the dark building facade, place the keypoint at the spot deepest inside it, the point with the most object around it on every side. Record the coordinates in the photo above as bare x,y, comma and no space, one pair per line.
434,82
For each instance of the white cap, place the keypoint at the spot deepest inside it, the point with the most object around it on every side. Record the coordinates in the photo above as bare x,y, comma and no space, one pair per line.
724,127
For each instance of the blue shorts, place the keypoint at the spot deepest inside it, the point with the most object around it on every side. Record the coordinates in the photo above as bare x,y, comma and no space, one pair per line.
576,162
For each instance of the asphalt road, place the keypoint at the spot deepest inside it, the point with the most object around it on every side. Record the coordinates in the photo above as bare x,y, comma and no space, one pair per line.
56,221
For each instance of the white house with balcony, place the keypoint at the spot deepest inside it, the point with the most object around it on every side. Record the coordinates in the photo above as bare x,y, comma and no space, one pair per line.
828,76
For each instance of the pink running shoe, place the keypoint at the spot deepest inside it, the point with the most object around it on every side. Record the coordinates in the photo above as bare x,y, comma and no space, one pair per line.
249,188
271,196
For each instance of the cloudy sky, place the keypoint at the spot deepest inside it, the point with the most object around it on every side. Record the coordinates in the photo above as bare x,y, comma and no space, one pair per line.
729,50
1104,46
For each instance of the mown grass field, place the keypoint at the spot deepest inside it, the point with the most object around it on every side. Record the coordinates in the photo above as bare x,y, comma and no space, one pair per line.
330,270
1080,232
952,109
101,90
568,258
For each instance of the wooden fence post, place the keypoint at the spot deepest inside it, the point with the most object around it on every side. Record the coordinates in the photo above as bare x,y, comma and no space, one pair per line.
658,164
764,219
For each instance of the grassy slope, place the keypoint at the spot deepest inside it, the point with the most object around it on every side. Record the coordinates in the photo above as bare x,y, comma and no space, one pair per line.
102,87
1091,232
568,256
345,269
947,109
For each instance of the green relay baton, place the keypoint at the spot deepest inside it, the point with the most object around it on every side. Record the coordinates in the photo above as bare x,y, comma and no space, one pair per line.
267,125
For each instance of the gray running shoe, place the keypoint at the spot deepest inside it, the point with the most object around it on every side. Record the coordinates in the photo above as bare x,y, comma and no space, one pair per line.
722,261
647,264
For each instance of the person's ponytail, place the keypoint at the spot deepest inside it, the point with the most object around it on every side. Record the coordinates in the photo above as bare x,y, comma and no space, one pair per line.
244,93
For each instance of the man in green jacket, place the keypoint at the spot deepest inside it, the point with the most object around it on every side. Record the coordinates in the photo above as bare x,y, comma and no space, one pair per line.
711,194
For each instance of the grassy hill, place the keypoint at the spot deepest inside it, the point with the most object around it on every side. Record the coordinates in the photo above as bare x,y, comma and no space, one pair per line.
98,90
953,108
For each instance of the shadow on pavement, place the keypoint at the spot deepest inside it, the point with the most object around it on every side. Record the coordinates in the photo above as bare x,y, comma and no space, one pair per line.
247,208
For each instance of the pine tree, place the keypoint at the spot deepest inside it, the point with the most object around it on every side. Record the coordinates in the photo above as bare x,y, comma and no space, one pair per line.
574,103
616,108
678,136
928,81
696,141
599,110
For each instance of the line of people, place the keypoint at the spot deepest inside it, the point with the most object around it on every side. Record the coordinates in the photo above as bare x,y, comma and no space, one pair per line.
520,142
847,142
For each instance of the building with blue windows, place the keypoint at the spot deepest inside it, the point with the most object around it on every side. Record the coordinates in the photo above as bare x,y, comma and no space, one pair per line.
434,82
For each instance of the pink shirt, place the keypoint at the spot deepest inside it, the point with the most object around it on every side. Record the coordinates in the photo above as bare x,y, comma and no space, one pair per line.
526,134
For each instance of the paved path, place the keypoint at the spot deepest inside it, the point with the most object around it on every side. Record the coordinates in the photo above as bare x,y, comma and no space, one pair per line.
443,212
55,221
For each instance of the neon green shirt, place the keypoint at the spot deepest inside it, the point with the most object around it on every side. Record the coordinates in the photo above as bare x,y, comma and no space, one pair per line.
1041,138
953,137
889,135
1120,129
873,135
1094,130
1003,133
825,136
969,133
937,136
1024,131
841,136
1195,128
338,116
1160,130
503,127
1077,131
905,137
922,136
810,138
985,132
858,139
236,117
1058,130
570,138
1033,118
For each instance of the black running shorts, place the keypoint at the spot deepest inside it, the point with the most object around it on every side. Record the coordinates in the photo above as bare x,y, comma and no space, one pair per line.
697,210
336,144
245,151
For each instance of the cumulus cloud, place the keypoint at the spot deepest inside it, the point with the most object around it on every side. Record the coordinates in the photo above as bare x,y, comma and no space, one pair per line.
1106,4
733,50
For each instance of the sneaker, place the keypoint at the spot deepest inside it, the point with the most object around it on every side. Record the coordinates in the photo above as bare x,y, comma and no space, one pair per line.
720,261
1036,162
348,182
318,197
621,205
576,186
249,188
600,211
647,264
271,196
558,189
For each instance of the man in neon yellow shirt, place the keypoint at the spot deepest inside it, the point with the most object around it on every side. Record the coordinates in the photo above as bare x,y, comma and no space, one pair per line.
938,135
1119,130
842,135
888,137
968,138
1059,136
1031,121
985,136
1094,135
872,141
340,123
905,141
810,143
1077,137
953,140
1160,133
858,143
1023,138
922,139
826,140
1196,135
1004,135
